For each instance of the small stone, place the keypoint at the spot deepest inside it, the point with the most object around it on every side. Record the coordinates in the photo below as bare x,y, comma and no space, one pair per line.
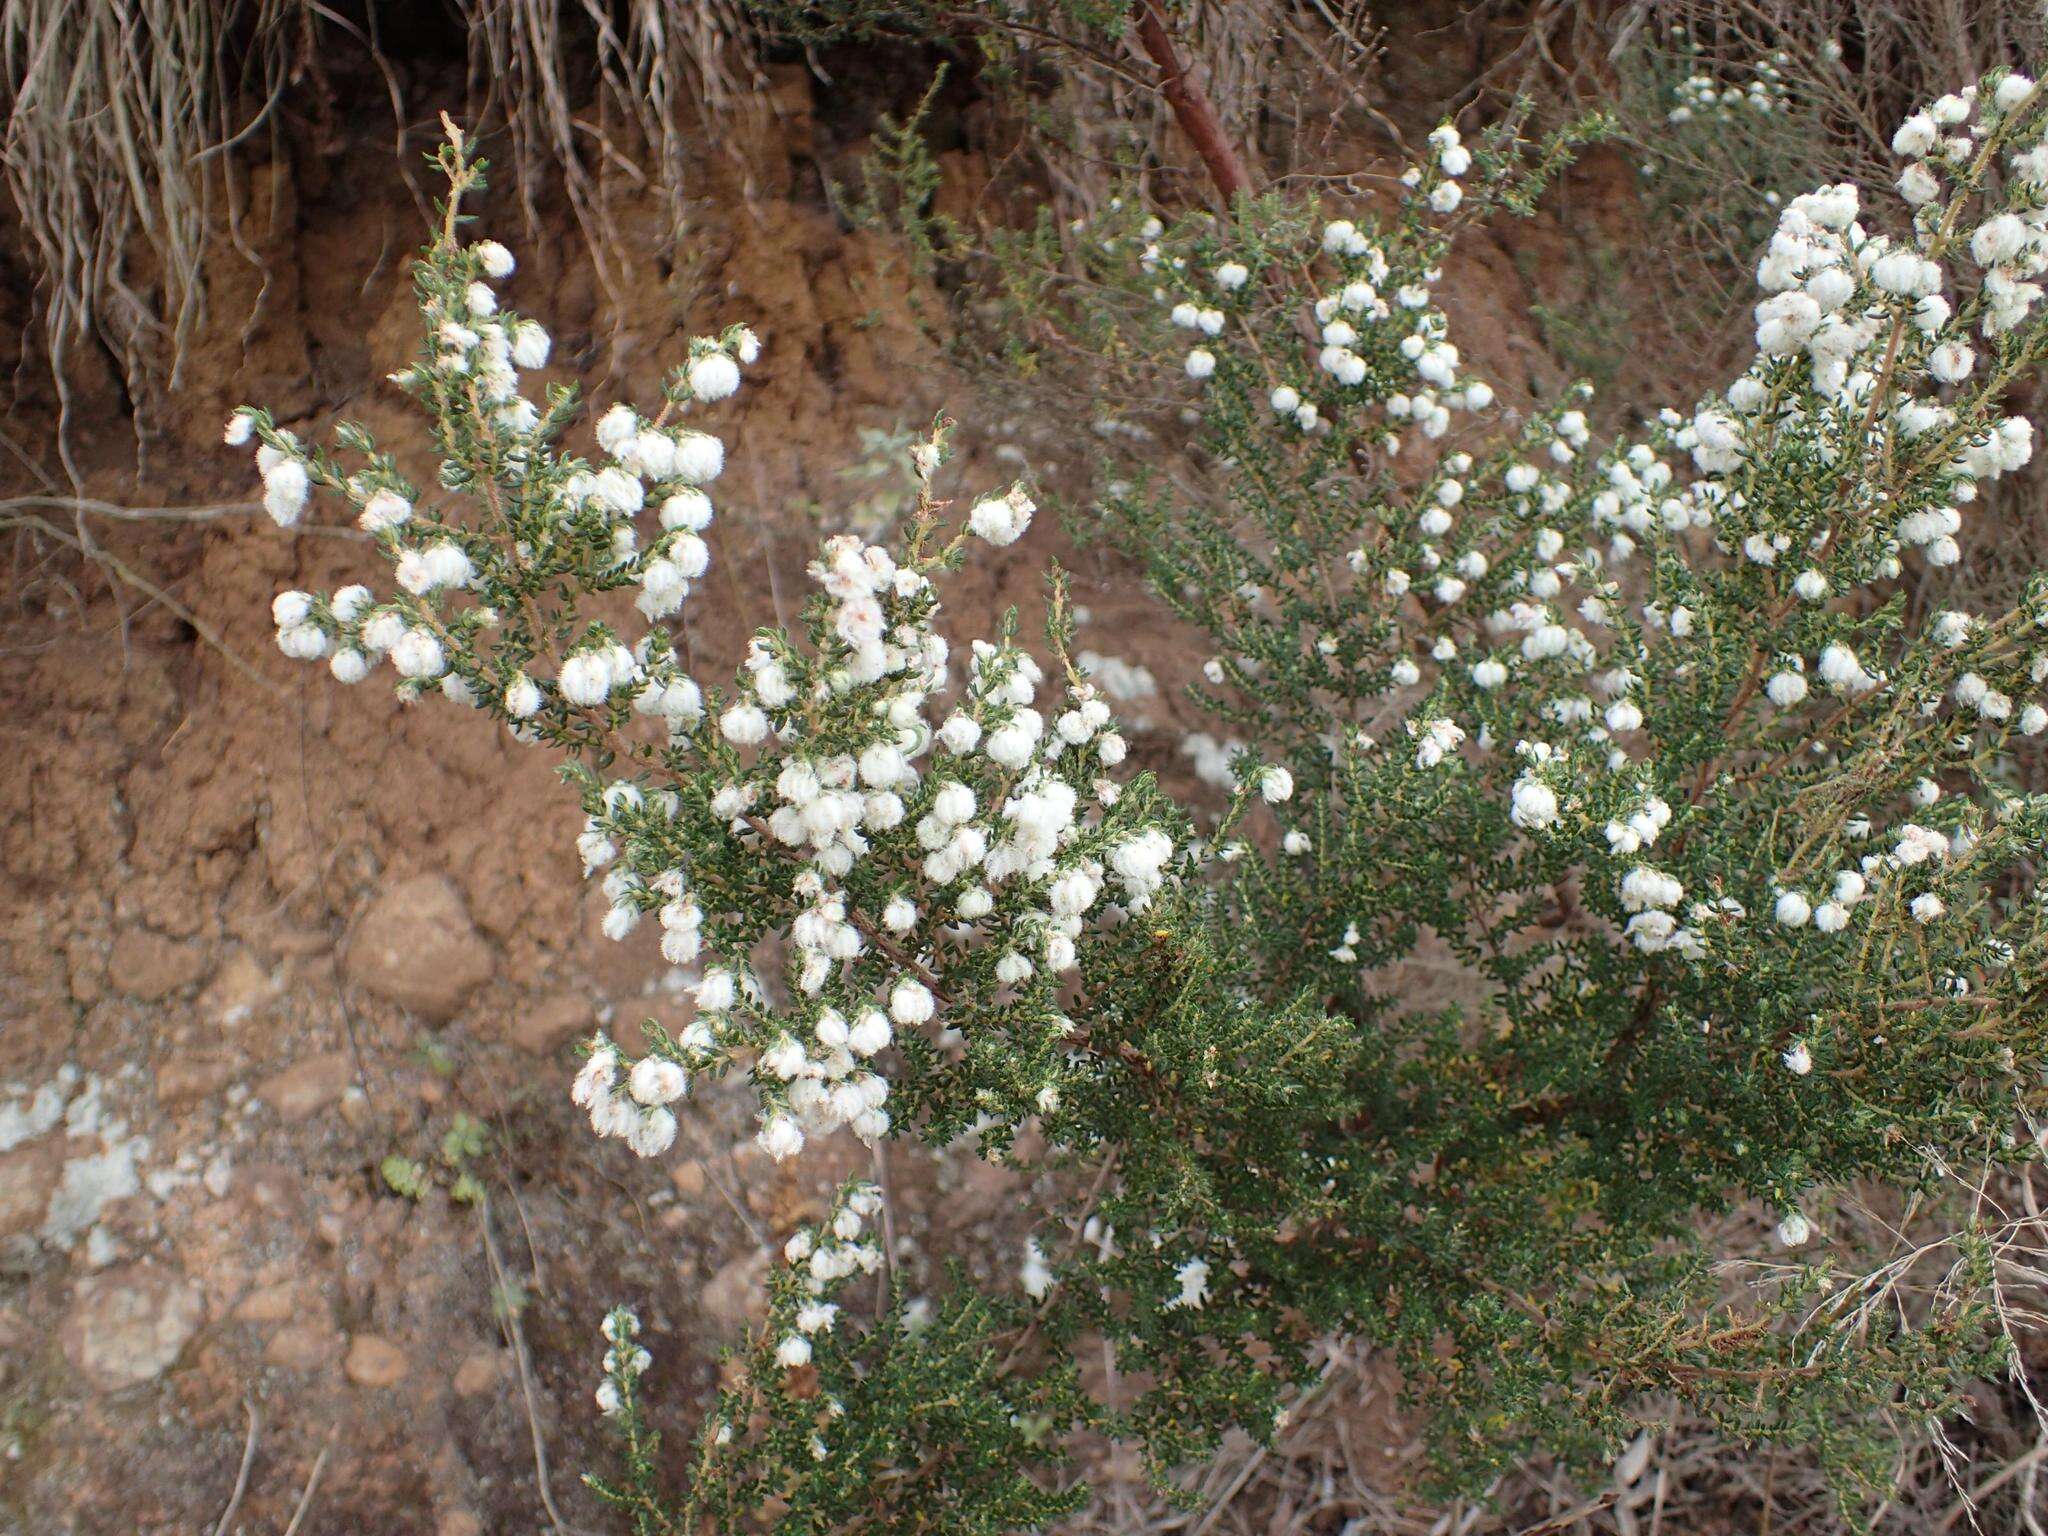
754,1171
150,966
270,1304
238,992
185,1080
548,1024
689,1178
415,946
28,1177
128,1326
458,1522
308,1086
375,1362
478,1373
302,1347
736,1296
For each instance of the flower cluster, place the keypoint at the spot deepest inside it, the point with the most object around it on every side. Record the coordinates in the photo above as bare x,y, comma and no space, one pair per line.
900,825
625,1362
1376,328
823,1259
830,794
1701,96
1857,335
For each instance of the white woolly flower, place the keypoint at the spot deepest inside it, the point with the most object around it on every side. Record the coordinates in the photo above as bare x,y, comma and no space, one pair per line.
1623,716
383,509
618,429
870,1033
522,697
1840,670
302,642
1951,362
1193,1279
1437,740
959,734
586,678
1915,137
700,458
1002,519
910,1002
1918,844
1644,889
686,511
1011,745
1533,805
285,488
1906,274
1998,239
781,1138
713,376
655,1081
744,725
1200,364
530,346
1036,1275
817,1316
418,654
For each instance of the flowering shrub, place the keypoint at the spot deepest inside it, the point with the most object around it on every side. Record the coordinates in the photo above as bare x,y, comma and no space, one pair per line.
1646,739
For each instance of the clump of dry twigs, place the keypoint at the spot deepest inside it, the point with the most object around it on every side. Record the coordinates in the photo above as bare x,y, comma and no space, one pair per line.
120,122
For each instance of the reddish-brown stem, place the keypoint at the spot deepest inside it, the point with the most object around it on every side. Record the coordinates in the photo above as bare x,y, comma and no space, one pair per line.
1191,108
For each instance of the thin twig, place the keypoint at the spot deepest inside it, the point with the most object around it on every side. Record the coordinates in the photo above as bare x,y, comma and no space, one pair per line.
204,513
515,1335
312,1482
242,1477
